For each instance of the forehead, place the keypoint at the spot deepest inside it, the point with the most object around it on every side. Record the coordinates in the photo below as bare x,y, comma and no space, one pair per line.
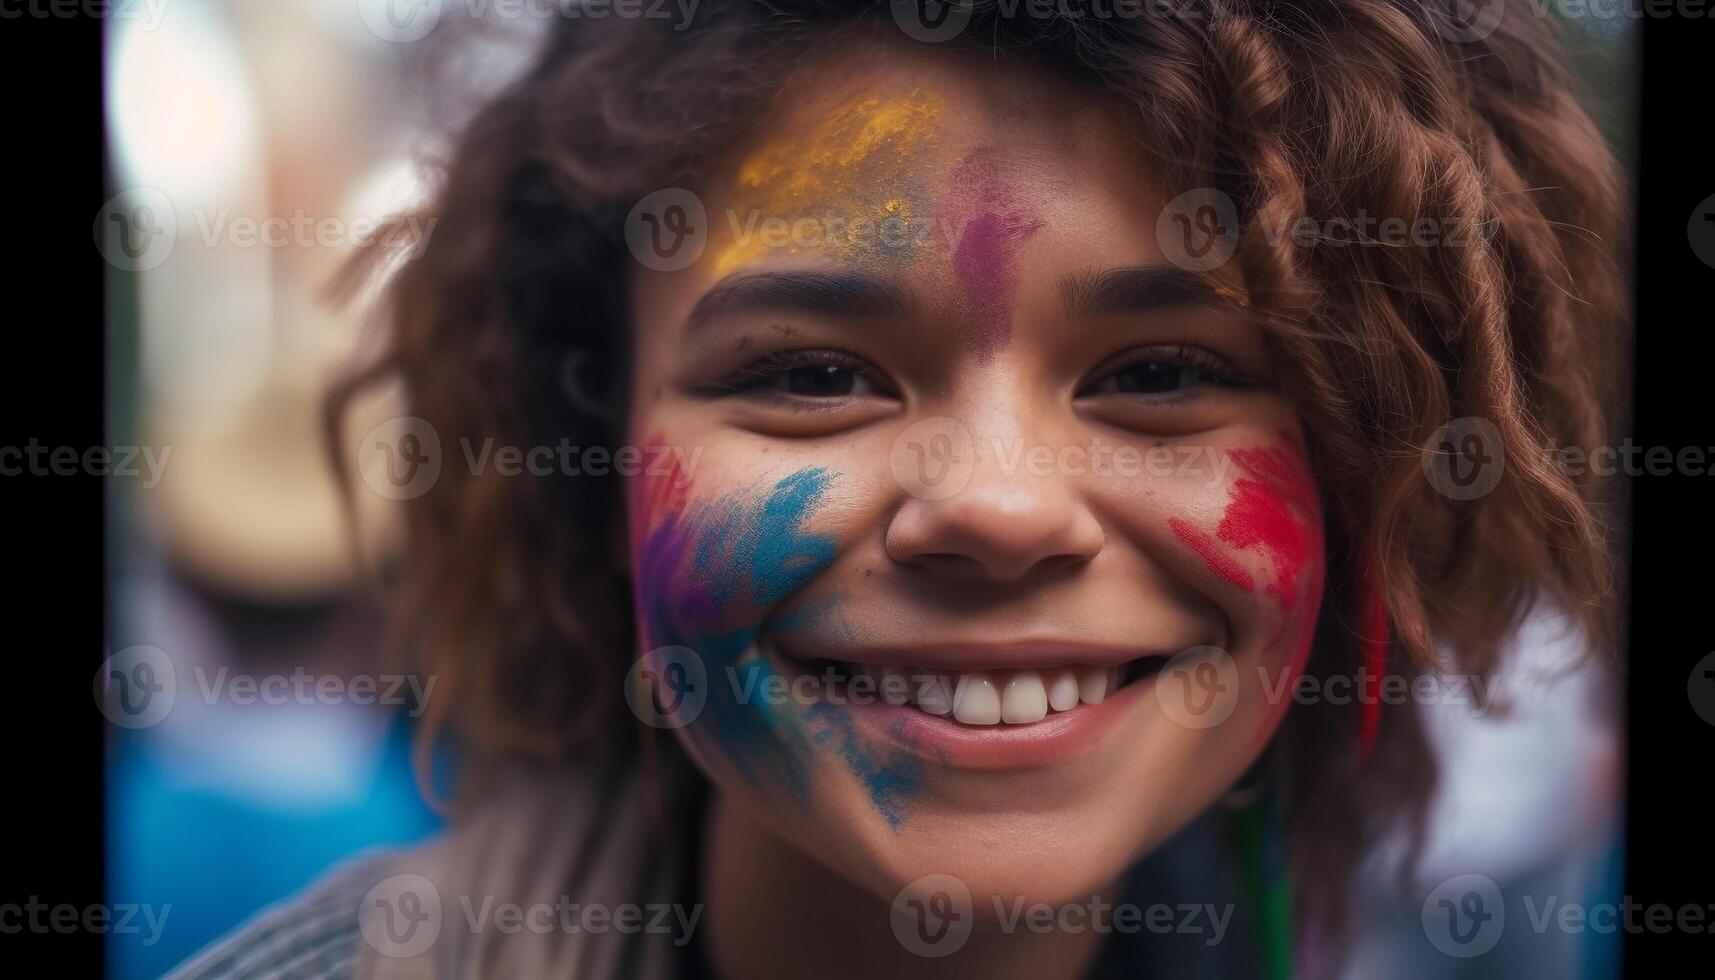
896,154
953,96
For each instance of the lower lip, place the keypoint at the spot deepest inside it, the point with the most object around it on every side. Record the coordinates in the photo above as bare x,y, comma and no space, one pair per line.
941,740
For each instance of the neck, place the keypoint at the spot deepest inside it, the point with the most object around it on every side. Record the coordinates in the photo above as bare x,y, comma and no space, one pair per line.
774,911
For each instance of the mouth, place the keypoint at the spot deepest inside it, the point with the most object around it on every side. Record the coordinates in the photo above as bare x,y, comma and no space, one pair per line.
989,697
1009,707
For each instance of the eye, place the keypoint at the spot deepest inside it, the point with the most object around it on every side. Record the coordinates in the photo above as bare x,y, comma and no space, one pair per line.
1162,370
818,381
819,375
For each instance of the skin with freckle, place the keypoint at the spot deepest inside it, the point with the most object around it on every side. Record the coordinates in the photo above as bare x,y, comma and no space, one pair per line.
794,539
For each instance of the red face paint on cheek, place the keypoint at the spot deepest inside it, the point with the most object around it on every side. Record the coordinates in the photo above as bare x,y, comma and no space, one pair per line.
1272,509
1212,553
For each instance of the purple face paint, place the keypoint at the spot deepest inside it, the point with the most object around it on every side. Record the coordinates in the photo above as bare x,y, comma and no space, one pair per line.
994,225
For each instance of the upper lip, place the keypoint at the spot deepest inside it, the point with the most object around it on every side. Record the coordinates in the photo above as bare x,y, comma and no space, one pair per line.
969,656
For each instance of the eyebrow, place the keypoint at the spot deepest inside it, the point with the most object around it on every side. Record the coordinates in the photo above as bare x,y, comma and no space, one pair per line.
847,295
1134,290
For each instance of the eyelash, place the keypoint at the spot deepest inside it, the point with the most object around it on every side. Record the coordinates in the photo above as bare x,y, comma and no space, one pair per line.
771,365
1209,367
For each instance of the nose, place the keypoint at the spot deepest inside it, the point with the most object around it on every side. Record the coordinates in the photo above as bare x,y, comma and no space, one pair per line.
1003,526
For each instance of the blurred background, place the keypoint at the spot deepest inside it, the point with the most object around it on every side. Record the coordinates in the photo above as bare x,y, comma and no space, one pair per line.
251,147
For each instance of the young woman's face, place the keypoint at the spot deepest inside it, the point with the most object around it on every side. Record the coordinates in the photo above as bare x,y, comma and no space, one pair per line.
951,418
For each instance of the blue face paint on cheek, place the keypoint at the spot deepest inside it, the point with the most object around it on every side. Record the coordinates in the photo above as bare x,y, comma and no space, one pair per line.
782,557
890,779
709,574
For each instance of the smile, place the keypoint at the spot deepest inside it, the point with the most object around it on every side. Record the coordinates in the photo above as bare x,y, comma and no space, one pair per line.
1003,707
989,697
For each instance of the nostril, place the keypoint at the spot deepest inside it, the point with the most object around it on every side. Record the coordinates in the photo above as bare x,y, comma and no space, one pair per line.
944,563
1000,532
964,567
1065,563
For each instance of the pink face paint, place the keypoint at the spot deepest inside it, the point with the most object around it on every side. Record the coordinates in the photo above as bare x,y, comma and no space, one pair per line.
994,225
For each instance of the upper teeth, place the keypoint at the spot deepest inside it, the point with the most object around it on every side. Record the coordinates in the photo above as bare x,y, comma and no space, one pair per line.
1012,697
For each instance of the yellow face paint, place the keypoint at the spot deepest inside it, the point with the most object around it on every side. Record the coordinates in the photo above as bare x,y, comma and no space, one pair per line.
849,187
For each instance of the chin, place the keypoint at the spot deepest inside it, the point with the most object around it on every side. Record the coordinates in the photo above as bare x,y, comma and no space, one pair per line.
1054,855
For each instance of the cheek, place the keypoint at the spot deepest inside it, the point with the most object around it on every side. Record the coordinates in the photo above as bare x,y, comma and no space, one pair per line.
717,562
1267,544
709,568
1274,510
712,566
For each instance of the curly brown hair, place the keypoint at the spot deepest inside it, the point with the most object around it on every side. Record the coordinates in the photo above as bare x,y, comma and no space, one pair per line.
516,593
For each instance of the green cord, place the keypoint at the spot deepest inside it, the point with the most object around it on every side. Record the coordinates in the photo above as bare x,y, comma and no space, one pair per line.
1265,883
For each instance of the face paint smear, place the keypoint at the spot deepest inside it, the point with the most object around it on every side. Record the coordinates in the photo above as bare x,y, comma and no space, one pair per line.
708,573
848,188
1263,513
1273,508
995,224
